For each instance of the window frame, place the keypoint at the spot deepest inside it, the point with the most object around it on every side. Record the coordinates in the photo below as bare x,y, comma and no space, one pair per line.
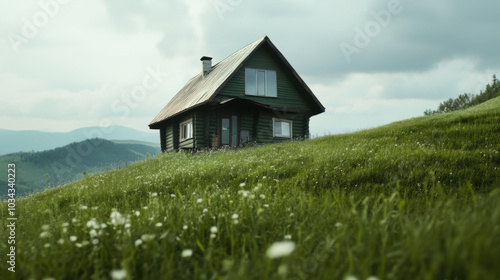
266,85
186,124
290,122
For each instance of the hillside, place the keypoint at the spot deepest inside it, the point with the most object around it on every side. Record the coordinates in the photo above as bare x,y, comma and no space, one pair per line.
14,141
414,199
40,170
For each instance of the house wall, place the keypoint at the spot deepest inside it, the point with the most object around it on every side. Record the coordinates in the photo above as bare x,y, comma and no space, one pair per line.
290,93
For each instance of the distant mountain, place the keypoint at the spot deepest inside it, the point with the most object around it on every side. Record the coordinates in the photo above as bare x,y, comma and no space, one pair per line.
38,170
12,141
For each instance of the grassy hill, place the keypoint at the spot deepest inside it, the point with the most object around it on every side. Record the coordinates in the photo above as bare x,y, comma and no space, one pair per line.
417,199
41,170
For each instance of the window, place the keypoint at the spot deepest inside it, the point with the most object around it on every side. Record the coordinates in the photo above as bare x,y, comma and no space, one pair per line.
187,130
282,128
260,82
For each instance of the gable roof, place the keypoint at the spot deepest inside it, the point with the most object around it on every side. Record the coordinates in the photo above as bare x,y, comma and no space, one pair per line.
203,89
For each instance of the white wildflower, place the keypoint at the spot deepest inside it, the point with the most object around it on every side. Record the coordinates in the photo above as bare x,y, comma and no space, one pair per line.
372,278
44,234
159,224
73,238
137,213
117,218
199,200
242,185
45,227
185,227
83,207
118,274
262,196
187,253
234,216
148,237
351,277
280,249
288,236
138,242
213,229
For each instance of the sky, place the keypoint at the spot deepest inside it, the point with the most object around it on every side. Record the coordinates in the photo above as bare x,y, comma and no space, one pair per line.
67,64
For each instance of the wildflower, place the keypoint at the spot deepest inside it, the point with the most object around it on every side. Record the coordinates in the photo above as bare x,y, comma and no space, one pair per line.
351,277
159,224
372,278
118,274
288,236
95,241
199,200
45,234
242,184
213,235
148,237
138,242
205,210
45,227
92,224
266,205
280,249
187,253
172,195
93,233
185,227
338,224
46,245
234,216
145,207
117,218
213,229
60,241
137,213
262,196
65,224
72,238
154,194
83,207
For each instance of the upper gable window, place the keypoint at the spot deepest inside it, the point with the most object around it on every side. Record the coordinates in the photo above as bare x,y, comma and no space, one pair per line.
260,82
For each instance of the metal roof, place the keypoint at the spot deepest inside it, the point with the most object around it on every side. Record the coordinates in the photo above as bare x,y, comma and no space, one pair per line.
202,89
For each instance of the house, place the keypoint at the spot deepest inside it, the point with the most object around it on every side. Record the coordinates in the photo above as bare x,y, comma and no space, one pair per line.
252,96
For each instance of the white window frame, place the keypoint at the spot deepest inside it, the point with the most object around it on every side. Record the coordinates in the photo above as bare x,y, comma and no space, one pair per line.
186,125
281,135
266,85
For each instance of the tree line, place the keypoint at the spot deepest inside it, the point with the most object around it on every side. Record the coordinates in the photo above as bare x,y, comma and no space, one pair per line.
467,100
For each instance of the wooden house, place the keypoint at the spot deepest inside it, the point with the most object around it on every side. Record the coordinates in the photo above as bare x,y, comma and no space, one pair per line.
252,96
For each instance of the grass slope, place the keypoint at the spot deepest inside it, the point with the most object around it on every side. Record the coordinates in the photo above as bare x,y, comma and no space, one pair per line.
417,199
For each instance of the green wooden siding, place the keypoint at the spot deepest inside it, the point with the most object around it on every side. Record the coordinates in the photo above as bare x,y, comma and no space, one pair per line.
290,93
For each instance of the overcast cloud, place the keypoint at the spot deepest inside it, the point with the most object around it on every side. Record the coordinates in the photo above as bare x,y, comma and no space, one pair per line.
74,63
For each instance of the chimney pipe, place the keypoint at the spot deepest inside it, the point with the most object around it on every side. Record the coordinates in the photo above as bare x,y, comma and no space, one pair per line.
207,65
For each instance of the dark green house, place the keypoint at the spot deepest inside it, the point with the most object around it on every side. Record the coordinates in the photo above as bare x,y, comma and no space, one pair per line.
253,96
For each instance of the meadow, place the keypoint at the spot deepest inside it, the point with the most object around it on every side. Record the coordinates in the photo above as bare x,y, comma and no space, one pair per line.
416,199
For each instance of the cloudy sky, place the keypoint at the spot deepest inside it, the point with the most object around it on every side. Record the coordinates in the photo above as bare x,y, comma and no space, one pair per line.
75,63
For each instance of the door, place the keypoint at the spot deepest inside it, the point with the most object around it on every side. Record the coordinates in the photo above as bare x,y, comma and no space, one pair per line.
229,131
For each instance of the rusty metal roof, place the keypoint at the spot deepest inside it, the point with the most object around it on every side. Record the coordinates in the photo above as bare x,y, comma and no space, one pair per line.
203,89
200,90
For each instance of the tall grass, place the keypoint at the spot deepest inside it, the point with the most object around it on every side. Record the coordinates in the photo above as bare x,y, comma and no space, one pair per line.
418,199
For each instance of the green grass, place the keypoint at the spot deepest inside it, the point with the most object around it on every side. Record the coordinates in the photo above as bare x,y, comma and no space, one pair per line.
417,199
